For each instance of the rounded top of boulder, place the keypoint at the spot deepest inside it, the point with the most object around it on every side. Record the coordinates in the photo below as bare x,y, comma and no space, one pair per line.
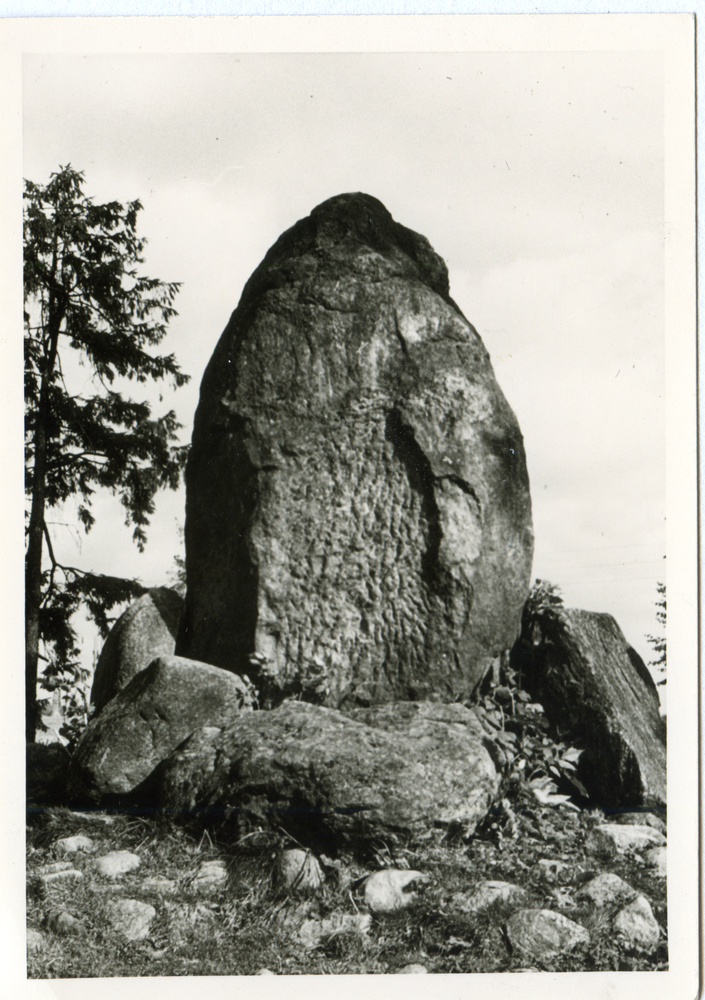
337,230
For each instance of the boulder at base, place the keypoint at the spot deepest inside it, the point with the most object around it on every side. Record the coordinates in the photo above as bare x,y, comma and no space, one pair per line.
595,687
358,518
405,769
147,629
157,710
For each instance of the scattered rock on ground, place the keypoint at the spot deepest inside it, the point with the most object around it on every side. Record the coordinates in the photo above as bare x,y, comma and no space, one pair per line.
606,889
298,869
53,867
147,629
392,889
157,710
640,819
116,863
637,925
63,922
158,883
590,681
550,868
72,845
411,970
62,876
35,940
130,917
424,765
656,856
358,508
312,933
543,933
212,875
613,838
488,893
93,818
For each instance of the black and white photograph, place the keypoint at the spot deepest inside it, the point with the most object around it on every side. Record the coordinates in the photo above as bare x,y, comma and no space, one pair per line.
360,524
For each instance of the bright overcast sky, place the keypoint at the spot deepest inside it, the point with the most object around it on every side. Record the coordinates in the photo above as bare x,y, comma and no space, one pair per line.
538,177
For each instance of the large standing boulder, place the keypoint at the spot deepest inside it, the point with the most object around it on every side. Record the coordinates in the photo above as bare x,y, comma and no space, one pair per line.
147,629
358,522
597,689
399,769
145,721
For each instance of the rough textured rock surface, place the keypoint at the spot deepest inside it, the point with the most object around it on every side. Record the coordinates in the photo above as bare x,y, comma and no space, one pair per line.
147,629
358,521
591,682
323,773
146,721
543,933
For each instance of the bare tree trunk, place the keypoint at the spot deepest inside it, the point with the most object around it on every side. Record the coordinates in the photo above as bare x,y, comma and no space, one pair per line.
35,535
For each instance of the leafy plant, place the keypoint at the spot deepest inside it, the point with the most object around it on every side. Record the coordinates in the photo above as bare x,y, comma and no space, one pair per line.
540,765
87,304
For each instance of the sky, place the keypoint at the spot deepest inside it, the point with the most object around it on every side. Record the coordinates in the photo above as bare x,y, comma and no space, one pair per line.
537,176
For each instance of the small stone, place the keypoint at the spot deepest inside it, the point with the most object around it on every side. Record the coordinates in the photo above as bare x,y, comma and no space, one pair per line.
65,875
212,875
412,970
613,838
63,922
72,845
640,819
312,933
543,933
607,889
387,890
93,817
656,856
35,940
130,918
637,925
265,972
157,883
550,868
488,892
53,868
297,869
116,863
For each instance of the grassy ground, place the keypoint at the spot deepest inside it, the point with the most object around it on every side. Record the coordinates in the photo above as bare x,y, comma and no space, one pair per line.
251,923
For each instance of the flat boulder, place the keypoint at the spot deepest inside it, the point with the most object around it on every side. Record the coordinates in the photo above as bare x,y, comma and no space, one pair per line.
358,517
318,772
147,629
157,710
595,688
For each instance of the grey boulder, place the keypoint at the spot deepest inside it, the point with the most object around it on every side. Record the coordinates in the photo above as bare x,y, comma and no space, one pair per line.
598,691
403,770
358,517
157,710
147,629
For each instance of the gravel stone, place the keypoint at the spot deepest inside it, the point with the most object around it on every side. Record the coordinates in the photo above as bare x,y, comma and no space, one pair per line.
130,918
387,890
116,863
72,845
544,933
